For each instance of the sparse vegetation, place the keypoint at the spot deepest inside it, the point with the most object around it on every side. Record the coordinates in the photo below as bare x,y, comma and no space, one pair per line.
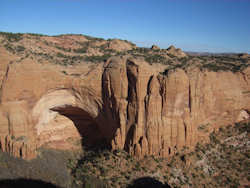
9,48
97,58
20,48
81,50
210,63
156,59
93,38
63,49
68,55
223,161
12,37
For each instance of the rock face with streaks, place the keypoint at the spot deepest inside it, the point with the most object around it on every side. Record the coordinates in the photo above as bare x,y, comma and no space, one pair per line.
124,103
159,114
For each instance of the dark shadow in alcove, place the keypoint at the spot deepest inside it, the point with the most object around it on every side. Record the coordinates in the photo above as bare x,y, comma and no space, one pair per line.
92,136
147,182
25,183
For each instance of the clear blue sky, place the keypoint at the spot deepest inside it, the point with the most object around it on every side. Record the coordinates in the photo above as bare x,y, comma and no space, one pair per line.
193,25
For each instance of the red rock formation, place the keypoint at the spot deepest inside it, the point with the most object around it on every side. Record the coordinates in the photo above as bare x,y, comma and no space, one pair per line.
125,103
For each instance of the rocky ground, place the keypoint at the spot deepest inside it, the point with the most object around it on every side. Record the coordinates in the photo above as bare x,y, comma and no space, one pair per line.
224,162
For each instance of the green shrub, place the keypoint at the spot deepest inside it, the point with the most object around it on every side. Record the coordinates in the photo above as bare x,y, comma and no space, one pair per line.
81,50
10,48
155,59
63,49
60,55
97,58
215,67
93,38
139,50
93,182
20,48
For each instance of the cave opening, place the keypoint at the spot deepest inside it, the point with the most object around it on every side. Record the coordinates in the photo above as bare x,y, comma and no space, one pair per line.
91,136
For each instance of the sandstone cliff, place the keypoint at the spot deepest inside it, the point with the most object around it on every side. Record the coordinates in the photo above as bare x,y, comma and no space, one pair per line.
123,103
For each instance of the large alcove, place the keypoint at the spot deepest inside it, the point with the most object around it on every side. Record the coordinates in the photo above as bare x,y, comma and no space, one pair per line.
65,117
89,131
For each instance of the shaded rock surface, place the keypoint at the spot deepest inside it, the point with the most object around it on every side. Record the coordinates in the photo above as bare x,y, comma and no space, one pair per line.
49,166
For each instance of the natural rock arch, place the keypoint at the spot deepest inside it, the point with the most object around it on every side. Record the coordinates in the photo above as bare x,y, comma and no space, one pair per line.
64,117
